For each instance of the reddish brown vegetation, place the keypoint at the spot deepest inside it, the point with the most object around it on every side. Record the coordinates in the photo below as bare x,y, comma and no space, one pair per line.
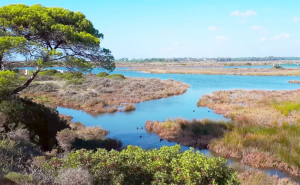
100,95
256,107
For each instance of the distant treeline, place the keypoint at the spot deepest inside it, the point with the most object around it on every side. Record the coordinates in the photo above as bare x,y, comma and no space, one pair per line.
219,59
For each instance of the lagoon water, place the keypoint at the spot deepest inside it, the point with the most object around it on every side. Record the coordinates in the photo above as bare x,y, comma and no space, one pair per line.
123,126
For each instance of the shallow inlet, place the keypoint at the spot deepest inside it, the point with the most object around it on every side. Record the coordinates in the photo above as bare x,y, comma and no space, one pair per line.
123,125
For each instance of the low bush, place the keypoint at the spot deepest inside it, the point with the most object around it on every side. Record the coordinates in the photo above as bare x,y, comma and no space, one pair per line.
277,67
129,107
134,165
49,72
76,81
116,76
69,75
102,74
39,88
77,176
67,137
14,155
18,178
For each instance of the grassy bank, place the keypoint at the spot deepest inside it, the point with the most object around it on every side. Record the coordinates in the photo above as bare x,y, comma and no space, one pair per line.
94,94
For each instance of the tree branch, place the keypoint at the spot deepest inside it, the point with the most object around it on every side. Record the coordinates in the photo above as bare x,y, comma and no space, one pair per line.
27,83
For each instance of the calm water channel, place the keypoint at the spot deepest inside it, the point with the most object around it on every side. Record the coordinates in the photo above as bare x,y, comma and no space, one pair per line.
123,125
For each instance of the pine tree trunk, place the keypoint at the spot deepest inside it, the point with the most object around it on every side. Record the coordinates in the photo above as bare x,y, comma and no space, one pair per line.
27,83
1,62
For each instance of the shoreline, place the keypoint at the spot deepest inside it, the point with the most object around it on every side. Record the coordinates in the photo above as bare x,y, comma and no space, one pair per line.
220,71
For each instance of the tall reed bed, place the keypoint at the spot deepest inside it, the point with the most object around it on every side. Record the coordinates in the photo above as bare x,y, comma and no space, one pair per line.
261,146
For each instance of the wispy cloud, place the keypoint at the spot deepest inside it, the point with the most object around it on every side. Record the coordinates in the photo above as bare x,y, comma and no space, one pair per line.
256,27
212,28
297,41
243,14
221,38
296,19
277,37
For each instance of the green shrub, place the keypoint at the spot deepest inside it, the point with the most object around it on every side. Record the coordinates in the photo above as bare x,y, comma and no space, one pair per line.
42,122
49,72
116,76
102,74
14,154
134,165
277,67
76,81
9,80
69,76
19,178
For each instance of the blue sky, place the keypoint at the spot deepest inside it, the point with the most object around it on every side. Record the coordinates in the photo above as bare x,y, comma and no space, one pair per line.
190,28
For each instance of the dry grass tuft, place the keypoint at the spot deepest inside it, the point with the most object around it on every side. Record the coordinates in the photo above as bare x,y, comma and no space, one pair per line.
253,177
75,177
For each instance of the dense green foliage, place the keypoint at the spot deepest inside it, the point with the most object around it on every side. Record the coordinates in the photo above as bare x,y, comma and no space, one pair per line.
9,80
49,72
10,45
53,34
42,122
136,166
69,76
53,29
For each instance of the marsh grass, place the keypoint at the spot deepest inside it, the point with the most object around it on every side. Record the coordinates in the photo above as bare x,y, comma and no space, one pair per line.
261,146
286,107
